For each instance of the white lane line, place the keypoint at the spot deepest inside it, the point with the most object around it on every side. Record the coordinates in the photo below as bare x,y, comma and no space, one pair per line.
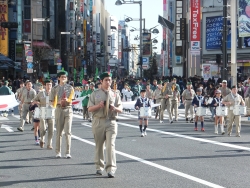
191,138
7,128
198,180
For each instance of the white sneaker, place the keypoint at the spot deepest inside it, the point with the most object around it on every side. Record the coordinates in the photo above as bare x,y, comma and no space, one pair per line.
37,142
145,133
161,121
58,155
142,134
67,156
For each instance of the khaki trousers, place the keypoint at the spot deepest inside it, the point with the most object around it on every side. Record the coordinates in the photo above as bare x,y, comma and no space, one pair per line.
189,107
85,112
105,131
50,123
233,119
158,108
25,111
165,104
174,108
63,118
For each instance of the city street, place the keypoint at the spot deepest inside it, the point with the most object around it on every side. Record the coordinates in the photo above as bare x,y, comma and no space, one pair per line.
171,155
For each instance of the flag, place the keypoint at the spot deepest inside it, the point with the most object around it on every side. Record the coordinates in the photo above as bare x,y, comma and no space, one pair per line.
78,100
7,102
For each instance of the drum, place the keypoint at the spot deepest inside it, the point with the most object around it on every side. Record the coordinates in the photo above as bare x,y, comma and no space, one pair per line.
145,112
210,99
36,113
221,111
201,111
239,110
47,113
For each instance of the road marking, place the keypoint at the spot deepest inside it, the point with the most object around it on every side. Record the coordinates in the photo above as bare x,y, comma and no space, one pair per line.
7,127
198,180
191,138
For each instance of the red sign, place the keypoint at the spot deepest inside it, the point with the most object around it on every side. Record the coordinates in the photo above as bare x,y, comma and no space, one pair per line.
195,25
27,26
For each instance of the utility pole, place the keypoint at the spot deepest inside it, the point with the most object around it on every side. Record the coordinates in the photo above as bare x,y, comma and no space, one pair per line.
224,43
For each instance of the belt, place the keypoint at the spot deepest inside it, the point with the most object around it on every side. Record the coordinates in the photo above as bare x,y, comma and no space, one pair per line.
189,99
111,118
27,102
58,105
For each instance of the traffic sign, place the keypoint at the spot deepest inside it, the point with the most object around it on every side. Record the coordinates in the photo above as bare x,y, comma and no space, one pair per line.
29,58
145,60
29,53
29,70
145,67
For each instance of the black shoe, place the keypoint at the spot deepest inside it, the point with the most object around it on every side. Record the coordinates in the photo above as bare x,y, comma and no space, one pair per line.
191,120
187,120
111,175
171,122
32,129
26,122
99,172
90,120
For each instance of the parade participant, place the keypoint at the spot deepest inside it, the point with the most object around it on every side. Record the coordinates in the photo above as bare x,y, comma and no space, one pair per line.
247,96
166,94
142,101
124,91
129,94
105,105
149,92
99,85
137,89
217,101
198,101
91,89
36,121
42,100
176,85
26,96
224,92
157,98
61,97
187,98
18,95
86,92
231,100
5,90
175,101
154,86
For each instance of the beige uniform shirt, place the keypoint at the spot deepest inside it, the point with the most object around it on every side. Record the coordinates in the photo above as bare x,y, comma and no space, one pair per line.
100,95
149,94
176,95
188,95
27,96
41,97
168,91
157,94
234,100
224,91
61,91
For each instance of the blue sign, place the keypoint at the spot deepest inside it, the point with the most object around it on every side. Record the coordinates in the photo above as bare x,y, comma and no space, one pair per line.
144,60
29,65
214,33
214,28
83,62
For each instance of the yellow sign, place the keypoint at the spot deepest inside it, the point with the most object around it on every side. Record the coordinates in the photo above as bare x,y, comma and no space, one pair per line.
247,64
4,34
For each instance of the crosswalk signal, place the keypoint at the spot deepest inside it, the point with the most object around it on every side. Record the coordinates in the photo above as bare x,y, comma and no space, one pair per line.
9,24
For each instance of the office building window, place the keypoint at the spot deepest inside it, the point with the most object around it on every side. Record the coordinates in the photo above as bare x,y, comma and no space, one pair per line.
26,2
27,13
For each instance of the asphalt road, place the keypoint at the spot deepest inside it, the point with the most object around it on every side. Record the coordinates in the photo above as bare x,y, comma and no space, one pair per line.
171,155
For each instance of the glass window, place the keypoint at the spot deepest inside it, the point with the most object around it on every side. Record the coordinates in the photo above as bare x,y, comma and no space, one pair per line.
26,2
26,13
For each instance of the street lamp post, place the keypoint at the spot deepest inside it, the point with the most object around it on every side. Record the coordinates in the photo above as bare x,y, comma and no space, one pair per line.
119,2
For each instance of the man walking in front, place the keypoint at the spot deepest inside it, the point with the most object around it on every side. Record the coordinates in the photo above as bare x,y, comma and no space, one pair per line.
105,105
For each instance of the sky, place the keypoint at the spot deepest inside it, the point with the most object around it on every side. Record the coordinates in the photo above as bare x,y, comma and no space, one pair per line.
150,11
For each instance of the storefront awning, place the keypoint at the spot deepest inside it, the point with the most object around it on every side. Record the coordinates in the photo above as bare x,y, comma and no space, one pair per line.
41,44
6,62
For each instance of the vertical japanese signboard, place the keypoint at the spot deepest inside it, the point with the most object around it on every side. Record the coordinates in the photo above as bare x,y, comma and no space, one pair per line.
195,26
4,43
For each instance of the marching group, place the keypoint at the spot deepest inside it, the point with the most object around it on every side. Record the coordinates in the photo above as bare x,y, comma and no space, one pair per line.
101,106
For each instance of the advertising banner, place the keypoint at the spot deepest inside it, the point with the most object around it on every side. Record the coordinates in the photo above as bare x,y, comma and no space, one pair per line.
206,71
195,26
146,43
244,18
4,36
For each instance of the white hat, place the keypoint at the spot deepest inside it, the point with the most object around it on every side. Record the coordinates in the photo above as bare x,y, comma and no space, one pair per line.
224,81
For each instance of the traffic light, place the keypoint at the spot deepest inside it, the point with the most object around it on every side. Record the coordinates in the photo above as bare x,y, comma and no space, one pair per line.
9,24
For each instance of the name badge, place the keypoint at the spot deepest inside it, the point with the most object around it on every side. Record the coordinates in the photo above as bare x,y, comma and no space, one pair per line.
231,107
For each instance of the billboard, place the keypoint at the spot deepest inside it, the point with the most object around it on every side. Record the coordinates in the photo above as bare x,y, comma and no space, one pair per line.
146,43
244,19
4,36
195,25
